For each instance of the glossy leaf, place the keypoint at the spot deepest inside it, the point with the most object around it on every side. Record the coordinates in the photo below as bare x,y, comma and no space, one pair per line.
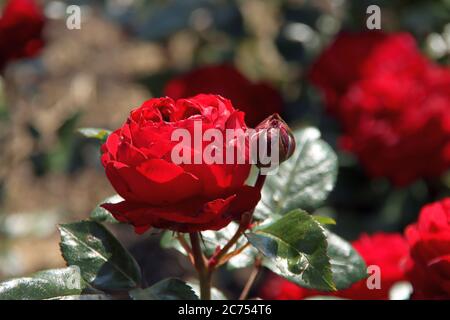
95,133
100,214
324,220
346,264
44,285
216,294
304,181
296,247
168,289
103,261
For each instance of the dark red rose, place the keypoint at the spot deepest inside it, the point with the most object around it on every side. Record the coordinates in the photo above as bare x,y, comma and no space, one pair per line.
389,251
353,56
429,240
399,124
21,25
393,105
256,100
159,193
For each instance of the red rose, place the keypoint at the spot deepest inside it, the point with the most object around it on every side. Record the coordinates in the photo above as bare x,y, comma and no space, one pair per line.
21,26
387,251
353,56
256,100
393,106
342,62
159,193
429,240
399,125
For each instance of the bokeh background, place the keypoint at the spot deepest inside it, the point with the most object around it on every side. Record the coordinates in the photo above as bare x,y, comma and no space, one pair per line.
126,52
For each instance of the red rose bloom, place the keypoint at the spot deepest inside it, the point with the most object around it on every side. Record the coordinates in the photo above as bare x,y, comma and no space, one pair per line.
388,251
429,240
393,105
159,193
354,56
399,125
342,63
21,26
256,100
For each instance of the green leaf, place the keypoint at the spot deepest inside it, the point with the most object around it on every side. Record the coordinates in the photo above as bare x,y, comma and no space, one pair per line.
304,181
103,261
296,247
44,285
95,133
324,220
168,289
213,239
100,214
216,294
346,264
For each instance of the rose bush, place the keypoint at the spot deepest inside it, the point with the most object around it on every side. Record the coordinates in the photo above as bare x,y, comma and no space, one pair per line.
157,192
201,198
257,100
429,240
392,103
21,26
388,251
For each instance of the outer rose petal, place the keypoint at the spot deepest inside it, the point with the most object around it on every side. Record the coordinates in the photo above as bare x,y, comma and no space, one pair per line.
245,200
157,181
129,154
112,170
180,217
218,179
189,216
435,217
112,144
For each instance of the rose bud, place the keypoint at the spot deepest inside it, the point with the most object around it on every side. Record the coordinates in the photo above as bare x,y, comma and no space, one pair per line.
274,141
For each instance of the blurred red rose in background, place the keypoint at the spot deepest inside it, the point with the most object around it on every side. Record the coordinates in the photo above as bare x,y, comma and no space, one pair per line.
429,239
388,251
343,63
355,56
392,103
159,193
21,26
256,100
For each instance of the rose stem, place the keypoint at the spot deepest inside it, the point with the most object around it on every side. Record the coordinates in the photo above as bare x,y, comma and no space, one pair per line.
203,272
251,279
215,260
232,254
185,246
